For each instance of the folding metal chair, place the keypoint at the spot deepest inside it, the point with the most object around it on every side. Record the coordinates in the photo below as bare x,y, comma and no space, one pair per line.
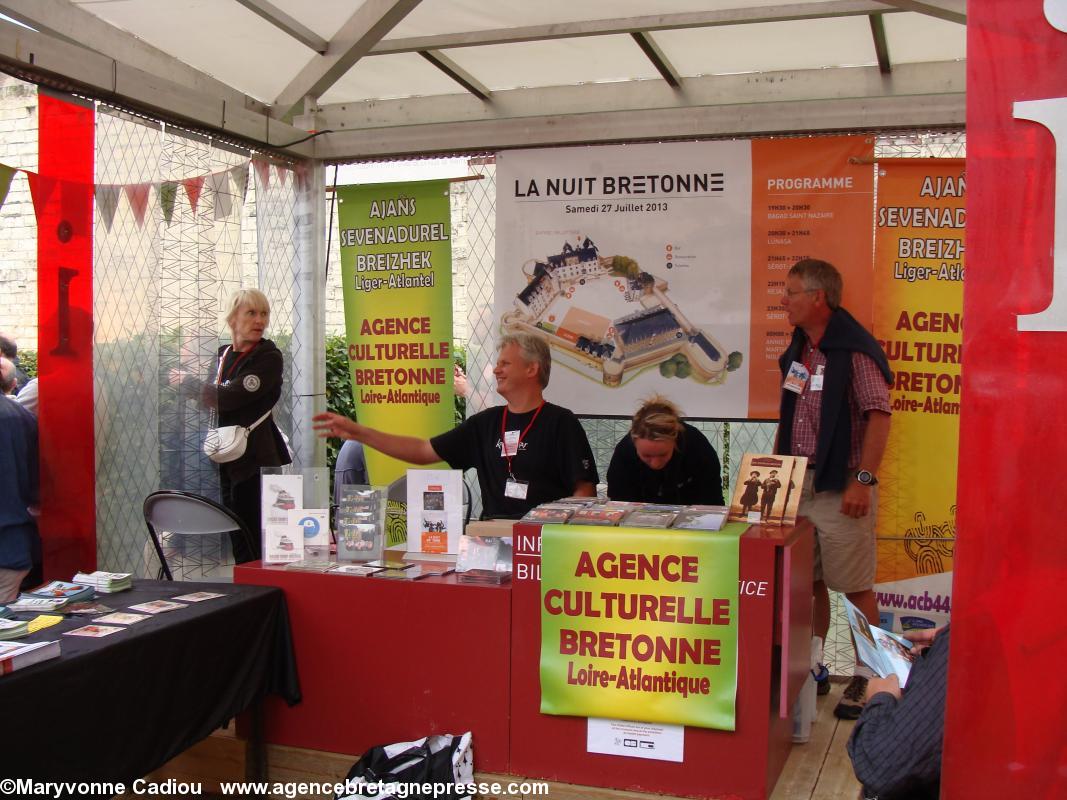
172,511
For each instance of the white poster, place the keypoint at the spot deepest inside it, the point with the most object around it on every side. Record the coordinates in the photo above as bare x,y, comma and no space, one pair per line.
634,263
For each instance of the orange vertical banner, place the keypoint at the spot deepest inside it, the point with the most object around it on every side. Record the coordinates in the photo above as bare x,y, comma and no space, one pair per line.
918,311
814,198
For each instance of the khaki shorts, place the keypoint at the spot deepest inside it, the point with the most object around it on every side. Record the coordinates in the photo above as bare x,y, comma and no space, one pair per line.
845,554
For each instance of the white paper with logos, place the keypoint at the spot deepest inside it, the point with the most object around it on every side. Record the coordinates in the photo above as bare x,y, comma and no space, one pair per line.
435,510
314,524
619,737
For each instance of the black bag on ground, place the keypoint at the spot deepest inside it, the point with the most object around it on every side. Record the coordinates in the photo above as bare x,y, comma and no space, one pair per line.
444,759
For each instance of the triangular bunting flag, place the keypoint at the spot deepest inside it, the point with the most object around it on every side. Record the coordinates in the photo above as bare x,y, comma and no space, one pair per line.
6,174
219,185
107,200
192,189
240,180
301,177
137,194
168,193
41,188
263,170
283,172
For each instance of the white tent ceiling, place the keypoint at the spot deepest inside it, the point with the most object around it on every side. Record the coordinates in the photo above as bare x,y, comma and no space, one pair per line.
395,77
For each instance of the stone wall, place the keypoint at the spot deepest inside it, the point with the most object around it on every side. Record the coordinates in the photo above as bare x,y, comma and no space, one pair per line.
18,224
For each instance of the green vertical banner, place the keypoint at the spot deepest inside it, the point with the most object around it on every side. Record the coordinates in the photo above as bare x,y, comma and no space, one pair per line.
396,265
640,624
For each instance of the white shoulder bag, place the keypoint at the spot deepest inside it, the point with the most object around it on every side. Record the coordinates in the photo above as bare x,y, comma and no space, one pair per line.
229,442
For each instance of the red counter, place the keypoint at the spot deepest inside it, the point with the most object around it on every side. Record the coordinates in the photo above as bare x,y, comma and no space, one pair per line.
774,636
384,661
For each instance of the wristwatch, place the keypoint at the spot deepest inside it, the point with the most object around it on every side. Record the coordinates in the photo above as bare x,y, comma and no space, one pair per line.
866,477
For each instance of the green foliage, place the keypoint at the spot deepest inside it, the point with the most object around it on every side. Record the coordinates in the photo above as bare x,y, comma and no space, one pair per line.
338,390
459,355
28,362
668,368
734,361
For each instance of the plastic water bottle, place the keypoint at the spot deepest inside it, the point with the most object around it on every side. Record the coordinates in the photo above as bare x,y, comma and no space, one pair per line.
804,707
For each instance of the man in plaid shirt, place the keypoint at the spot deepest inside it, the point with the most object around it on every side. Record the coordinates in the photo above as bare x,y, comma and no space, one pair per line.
835,411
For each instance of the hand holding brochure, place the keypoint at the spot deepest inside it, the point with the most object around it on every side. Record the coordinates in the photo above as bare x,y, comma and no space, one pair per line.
881,650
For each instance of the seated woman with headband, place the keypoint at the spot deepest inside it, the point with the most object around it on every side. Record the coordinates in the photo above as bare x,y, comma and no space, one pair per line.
664,460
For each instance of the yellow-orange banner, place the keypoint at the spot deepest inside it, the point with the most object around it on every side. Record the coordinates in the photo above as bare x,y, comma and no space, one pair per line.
918,312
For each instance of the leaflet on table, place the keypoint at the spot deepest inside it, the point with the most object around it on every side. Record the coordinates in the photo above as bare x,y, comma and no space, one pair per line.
282,544
361,570
435,510
197,597
314,524
883,651
122,618
280,495
94,631
157,606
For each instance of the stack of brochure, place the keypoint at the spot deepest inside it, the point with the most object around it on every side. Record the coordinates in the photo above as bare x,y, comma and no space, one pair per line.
70,592
106,582
550,512
701,518
13,629
604,514
16,656
39,605
651,515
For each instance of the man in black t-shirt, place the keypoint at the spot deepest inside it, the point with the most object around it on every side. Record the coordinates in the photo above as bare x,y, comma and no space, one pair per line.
526,453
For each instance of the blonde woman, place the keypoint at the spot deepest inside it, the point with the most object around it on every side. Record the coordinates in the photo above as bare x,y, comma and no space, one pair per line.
664,460
246,385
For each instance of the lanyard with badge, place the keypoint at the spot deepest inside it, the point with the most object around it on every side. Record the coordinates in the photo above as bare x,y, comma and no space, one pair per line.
799,373
512,439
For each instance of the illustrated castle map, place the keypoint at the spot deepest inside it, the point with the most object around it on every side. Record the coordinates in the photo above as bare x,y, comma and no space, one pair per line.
607,318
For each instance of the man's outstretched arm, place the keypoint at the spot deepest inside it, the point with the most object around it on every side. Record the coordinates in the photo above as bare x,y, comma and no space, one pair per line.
406,448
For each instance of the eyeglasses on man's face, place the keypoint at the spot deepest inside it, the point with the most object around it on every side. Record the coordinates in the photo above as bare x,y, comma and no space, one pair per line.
791,293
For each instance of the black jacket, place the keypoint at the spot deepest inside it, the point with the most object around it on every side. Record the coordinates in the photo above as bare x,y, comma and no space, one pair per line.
248,388
843,336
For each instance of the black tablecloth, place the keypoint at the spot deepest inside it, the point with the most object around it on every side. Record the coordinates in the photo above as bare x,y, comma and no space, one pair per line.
118,707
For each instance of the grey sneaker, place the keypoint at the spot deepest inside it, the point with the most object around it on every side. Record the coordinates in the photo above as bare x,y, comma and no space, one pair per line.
852,701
